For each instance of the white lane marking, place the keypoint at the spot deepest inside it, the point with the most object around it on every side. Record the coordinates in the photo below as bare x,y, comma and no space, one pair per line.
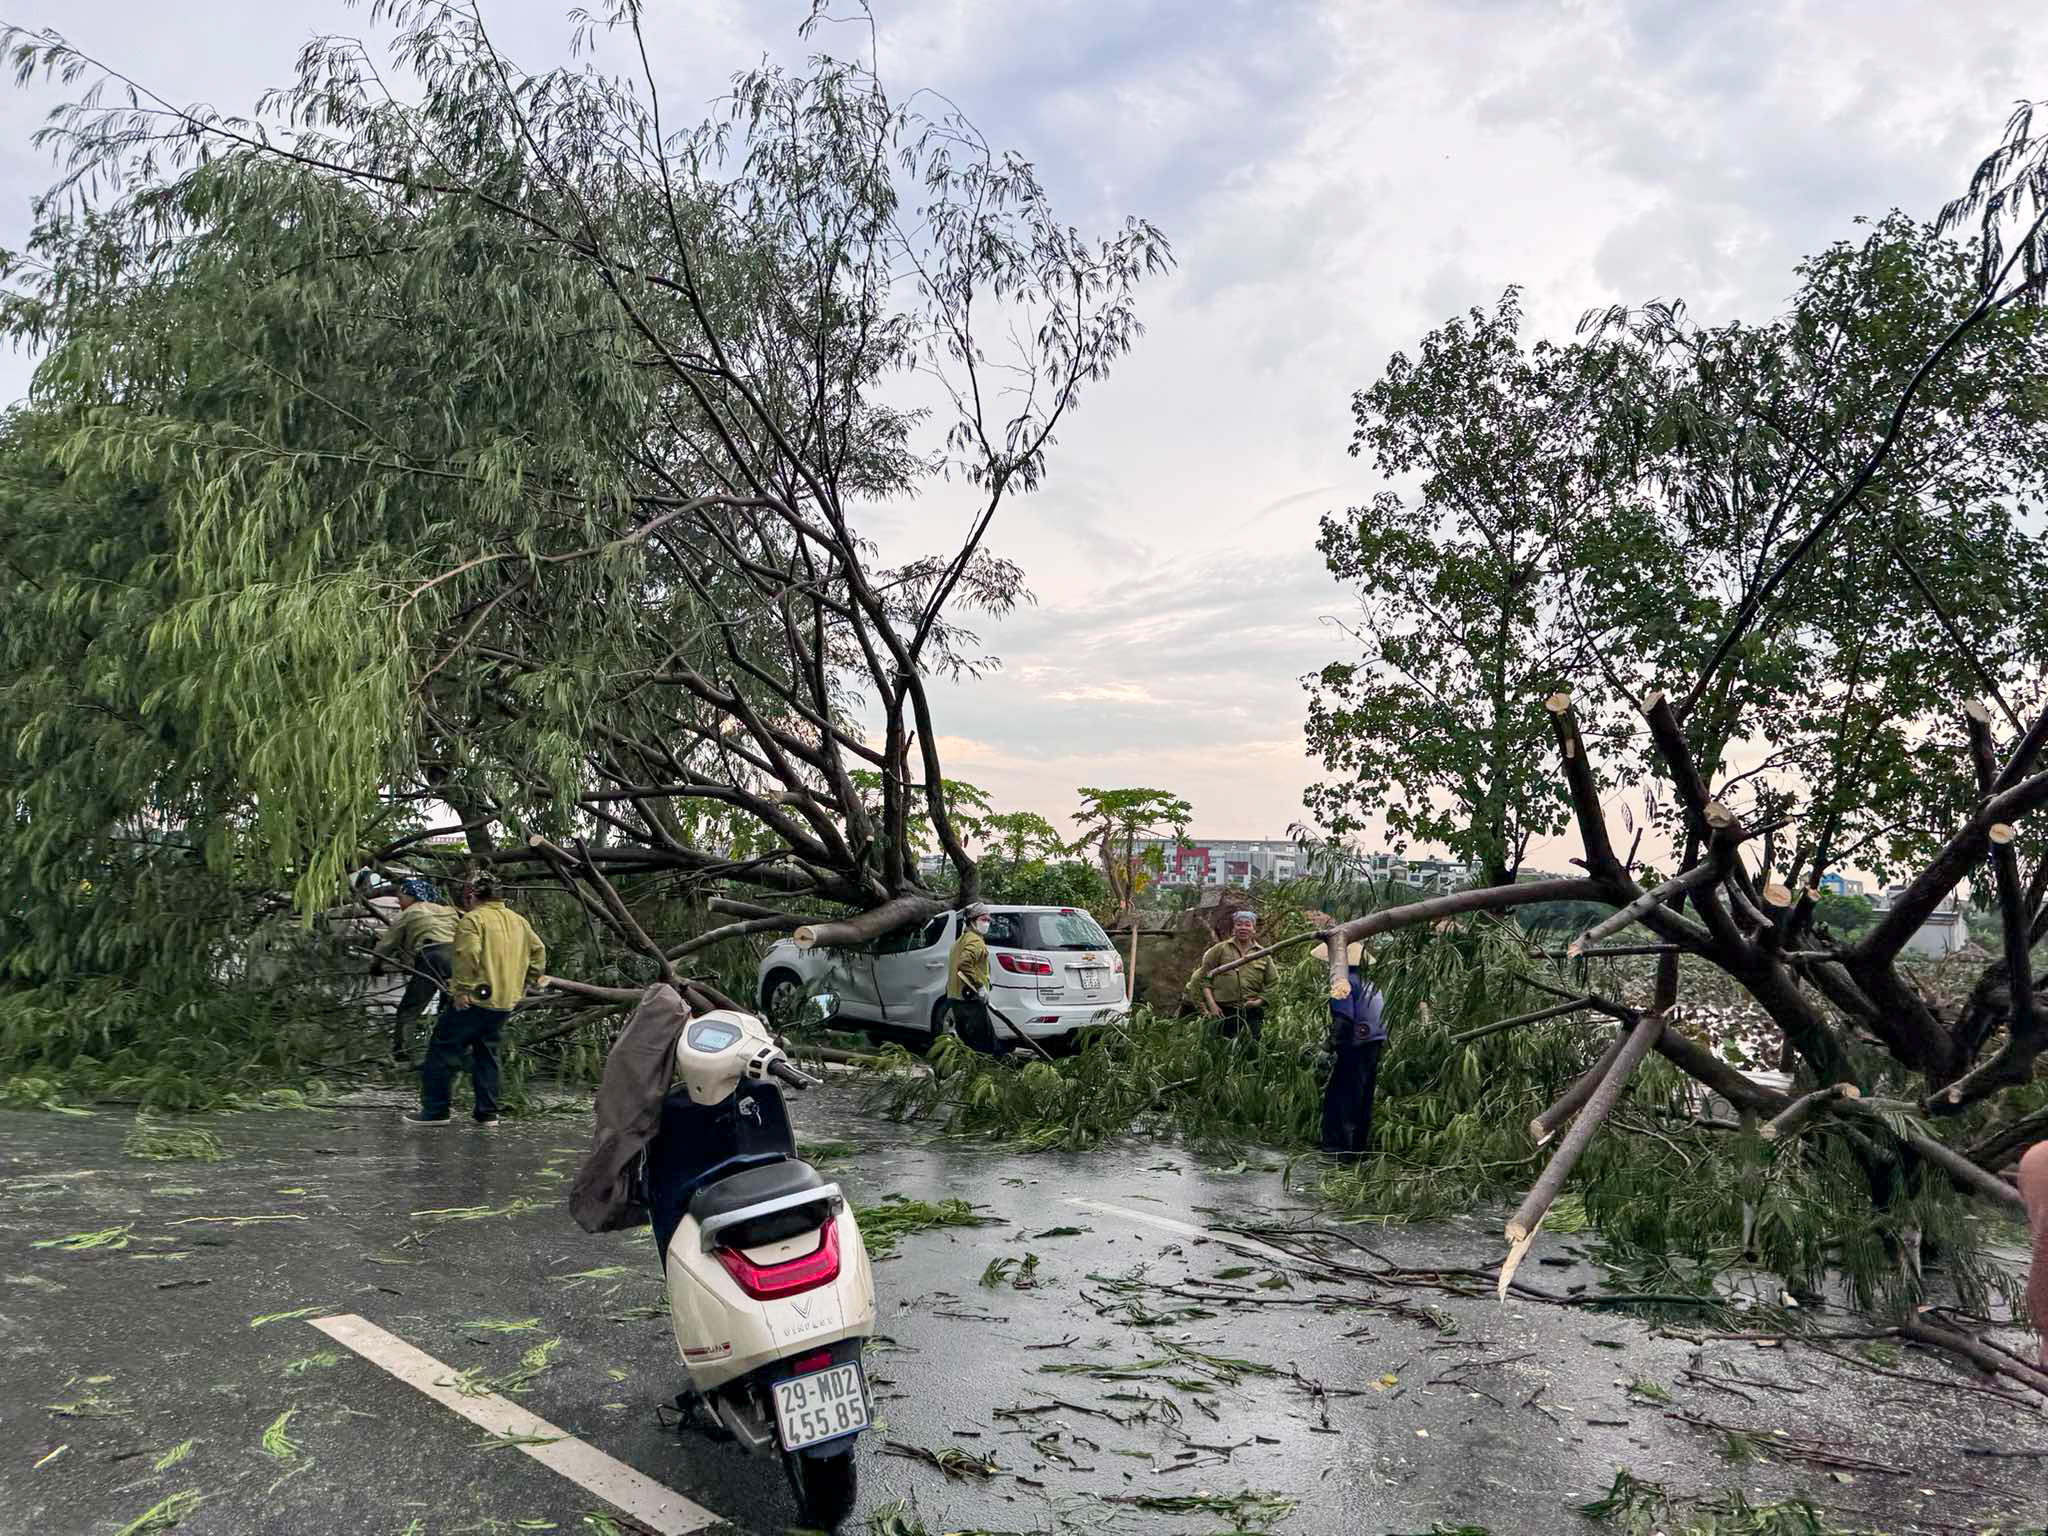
658,1508
1168,1224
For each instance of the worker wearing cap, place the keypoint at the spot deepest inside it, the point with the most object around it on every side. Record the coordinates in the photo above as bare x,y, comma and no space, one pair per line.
1236,1000
421,943
1358,1033
967,984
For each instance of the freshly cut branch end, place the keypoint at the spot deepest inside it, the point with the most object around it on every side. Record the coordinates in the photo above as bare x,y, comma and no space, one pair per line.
1805,1108
2003,832
1519,1242
1558,702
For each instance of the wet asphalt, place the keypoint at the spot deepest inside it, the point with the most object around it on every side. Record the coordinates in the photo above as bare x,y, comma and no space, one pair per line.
1141,1363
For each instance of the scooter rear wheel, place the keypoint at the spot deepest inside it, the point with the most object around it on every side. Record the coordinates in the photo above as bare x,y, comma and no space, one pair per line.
825,1486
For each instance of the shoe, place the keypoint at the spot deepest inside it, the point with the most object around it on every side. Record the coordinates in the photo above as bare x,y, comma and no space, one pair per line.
416,1118
485,1122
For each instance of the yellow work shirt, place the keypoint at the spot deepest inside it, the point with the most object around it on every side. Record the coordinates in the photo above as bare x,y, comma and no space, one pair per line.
421,924
495,949
967,961
1233,987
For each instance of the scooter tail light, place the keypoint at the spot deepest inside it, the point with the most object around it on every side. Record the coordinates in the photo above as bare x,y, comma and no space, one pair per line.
792,1277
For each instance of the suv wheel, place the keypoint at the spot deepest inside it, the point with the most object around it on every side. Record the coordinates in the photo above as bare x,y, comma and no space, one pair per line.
782,994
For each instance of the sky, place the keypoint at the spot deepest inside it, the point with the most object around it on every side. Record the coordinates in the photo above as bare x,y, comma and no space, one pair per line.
1336,179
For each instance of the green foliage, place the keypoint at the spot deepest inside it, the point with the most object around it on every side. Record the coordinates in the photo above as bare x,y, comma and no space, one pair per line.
1640,1508
1021,835
1038,883
356,481
1112,821
1594,515
1449,1118
882,1226
166,1143
1435,729
1667,1202
1844,916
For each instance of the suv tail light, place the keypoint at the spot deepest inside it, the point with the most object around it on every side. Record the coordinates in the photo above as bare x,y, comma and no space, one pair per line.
772,1282
1023,965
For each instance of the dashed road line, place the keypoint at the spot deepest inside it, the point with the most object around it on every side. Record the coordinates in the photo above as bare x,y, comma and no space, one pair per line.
633,1493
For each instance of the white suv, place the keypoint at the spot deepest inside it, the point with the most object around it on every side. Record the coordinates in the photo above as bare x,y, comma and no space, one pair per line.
1052,971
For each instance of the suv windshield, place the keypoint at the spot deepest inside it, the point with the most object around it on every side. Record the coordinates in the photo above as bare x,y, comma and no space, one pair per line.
1045,930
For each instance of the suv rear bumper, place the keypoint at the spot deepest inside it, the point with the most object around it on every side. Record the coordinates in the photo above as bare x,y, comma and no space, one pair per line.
1042,1021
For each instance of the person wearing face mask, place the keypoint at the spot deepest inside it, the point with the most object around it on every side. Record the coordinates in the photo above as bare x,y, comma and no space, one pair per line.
967,983
1236,1000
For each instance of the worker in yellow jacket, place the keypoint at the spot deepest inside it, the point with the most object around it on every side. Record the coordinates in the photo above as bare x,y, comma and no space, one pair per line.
498,957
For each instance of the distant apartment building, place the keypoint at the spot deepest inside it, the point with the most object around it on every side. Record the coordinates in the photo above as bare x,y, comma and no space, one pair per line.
1213,862
1435,875
1841,885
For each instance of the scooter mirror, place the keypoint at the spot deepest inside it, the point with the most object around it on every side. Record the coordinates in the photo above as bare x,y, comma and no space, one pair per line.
818,1008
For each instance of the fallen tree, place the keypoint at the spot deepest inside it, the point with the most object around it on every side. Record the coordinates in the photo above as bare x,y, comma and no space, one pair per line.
1878,1065
470,474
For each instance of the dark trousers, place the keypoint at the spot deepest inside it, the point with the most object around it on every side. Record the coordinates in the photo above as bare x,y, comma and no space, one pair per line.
972,1022
428,981
463,1034
1241,1021
1347,1098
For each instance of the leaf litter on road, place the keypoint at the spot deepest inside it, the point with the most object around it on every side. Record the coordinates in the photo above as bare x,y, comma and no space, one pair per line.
883,1226
152,1141
949,1459
475,1212
165,1514
277,1444
1248,1509
80,1242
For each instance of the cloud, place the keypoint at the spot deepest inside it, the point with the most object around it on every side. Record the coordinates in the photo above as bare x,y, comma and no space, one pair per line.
1337,180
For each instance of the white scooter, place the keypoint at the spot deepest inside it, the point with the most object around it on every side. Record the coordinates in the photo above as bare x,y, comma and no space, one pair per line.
769,1289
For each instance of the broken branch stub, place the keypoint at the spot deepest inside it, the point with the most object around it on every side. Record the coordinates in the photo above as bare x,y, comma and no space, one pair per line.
1793,1120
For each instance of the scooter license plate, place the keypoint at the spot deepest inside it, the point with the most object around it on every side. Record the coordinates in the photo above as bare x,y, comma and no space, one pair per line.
821,1406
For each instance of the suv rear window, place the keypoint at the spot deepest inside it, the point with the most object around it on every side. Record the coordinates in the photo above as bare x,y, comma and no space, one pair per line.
1045,930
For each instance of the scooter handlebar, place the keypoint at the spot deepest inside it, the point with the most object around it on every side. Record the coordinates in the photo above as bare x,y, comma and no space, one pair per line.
795,1077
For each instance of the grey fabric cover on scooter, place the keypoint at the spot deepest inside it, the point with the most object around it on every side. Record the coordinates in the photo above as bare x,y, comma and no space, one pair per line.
605,1196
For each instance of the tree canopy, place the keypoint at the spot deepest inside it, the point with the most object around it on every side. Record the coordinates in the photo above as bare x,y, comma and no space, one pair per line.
485,440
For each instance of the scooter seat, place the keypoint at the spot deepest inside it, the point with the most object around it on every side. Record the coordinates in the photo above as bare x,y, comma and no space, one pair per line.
752,1186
